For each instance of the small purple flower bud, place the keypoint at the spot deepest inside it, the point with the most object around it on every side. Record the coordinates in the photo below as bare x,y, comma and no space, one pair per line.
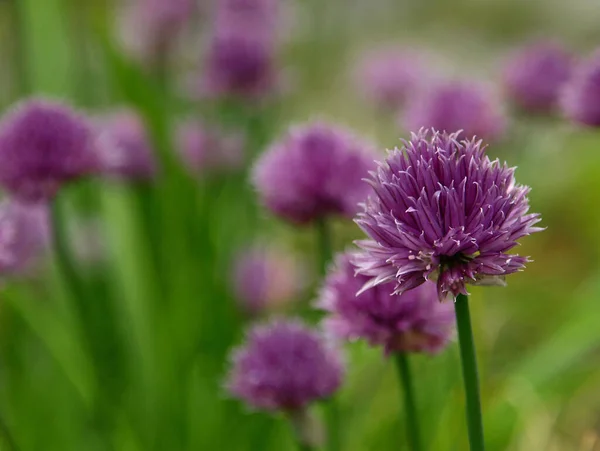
315,170
453,106
206,151
535,75
580,100
388,76
24,234
284,366
442,210
414,321
43,145
124,148
266,279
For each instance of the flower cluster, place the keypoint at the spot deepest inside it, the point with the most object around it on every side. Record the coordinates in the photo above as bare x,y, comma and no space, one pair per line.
581,97
43,145
264,278
442,210
284,366
411,322
452,106
314,171
124,148
535,75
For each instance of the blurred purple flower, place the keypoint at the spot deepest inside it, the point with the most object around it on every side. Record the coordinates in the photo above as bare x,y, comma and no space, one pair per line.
411,322
43,145
240,60
151,26
443,211
124,148
265,278
580,99
534,75
206,151
387,76
314,171
452,106
284,366
238,65
24,234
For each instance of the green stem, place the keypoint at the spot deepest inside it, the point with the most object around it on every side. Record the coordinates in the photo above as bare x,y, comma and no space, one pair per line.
8,439
469,370
332,415
19,50
301,428
64,262
410,406
325,251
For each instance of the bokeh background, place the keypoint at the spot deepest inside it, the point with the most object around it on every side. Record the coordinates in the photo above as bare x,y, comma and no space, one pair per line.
138,362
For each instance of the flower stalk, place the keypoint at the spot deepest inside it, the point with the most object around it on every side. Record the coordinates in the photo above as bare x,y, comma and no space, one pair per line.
410,407
469,370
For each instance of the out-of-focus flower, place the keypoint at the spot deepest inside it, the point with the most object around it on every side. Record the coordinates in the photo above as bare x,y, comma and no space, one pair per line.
580,99
206,151
43,145
151,26
452,106
124,148
414,321
24,234
240,59
284,366
238,65
441,210
266,278
314,171
534,76
387,76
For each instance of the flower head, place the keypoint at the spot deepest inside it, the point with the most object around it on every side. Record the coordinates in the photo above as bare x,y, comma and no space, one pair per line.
205,151
314,171
124,148
452,106
580,99
441,210
238,64
411,322
388,76
284,366
534,75
265,278
43,145
151,26
24,233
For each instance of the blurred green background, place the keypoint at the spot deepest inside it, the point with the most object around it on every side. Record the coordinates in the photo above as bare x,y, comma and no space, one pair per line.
138,363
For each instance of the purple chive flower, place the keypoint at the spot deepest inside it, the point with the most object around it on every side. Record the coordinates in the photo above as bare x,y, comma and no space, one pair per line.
124,148
284,366
24,234
207,151
43,145
388,76
314,171
441,210
411,322
151,26
240,60
535,75
265,278
238,65
452,106
580,99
